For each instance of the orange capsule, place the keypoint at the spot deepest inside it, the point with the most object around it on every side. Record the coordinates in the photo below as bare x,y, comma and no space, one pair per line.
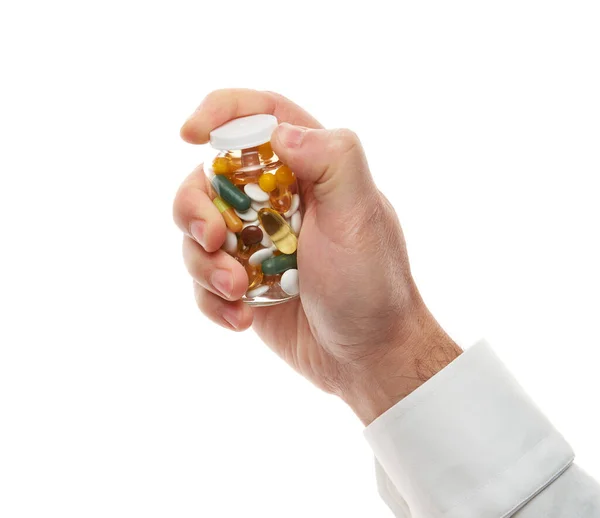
265,151
244,252
233,222
285,176
255,275
281,197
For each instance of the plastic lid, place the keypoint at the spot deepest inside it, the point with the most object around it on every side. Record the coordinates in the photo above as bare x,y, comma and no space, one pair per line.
244,132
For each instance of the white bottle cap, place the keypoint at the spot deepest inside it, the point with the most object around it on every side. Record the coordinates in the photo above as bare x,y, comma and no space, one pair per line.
244,132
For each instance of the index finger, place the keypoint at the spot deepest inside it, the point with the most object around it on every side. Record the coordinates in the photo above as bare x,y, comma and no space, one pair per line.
221,106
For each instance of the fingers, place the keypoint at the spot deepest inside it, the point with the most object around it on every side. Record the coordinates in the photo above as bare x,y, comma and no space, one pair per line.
220,281
217,272
196,215
332,160
221,106
232,315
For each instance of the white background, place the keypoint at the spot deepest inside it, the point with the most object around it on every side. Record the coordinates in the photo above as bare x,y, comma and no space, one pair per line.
117,398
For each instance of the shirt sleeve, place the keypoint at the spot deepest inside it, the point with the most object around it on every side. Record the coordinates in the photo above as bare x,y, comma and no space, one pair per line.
470,443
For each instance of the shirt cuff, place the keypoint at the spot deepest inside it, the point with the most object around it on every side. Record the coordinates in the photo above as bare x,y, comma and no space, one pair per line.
469,443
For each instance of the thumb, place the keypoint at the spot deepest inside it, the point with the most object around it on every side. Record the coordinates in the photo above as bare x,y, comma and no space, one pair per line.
331,161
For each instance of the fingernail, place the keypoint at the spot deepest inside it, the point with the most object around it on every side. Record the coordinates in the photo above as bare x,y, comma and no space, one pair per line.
291,136
197,230
222,281
232,317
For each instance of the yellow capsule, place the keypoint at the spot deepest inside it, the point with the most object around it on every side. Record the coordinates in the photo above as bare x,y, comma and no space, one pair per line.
232,220
267,182
279,231
220,165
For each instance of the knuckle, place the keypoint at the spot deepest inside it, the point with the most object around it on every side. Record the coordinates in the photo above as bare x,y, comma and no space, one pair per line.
344,141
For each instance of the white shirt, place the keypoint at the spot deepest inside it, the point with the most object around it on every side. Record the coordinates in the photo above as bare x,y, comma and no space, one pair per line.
470,443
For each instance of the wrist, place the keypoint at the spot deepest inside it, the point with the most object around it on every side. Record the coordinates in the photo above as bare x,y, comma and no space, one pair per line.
399,370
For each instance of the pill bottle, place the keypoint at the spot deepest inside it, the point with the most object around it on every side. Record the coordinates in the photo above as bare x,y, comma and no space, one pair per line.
259,199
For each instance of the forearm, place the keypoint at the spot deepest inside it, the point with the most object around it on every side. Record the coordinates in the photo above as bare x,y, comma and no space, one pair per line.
425,351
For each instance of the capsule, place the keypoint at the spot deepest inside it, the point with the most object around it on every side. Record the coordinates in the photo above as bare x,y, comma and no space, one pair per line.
279,231
281,197
255,275
267,182
279,264
265,151
231,218
230,193
220,165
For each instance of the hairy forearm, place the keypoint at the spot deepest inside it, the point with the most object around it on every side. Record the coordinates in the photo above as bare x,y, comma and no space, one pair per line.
401,370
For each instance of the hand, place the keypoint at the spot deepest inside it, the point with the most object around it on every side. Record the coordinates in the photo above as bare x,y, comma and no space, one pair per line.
360,328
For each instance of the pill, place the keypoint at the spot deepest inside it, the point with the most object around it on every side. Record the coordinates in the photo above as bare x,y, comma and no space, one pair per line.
220,165
262,254
281,199
257,205
279,264
244,252
255,275
257,292
296,222
231,243
265,151
255,193
247,215
285,176
279,231
231,219
267,182
251,235
294,206
230,193
289,281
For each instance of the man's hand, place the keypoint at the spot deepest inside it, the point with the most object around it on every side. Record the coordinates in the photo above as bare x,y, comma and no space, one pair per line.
360,328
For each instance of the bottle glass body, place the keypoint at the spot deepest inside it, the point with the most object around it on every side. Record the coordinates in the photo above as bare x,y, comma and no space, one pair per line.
259,200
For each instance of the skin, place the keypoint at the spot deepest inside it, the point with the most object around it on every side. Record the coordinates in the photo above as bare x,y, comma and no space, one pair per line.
360,328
